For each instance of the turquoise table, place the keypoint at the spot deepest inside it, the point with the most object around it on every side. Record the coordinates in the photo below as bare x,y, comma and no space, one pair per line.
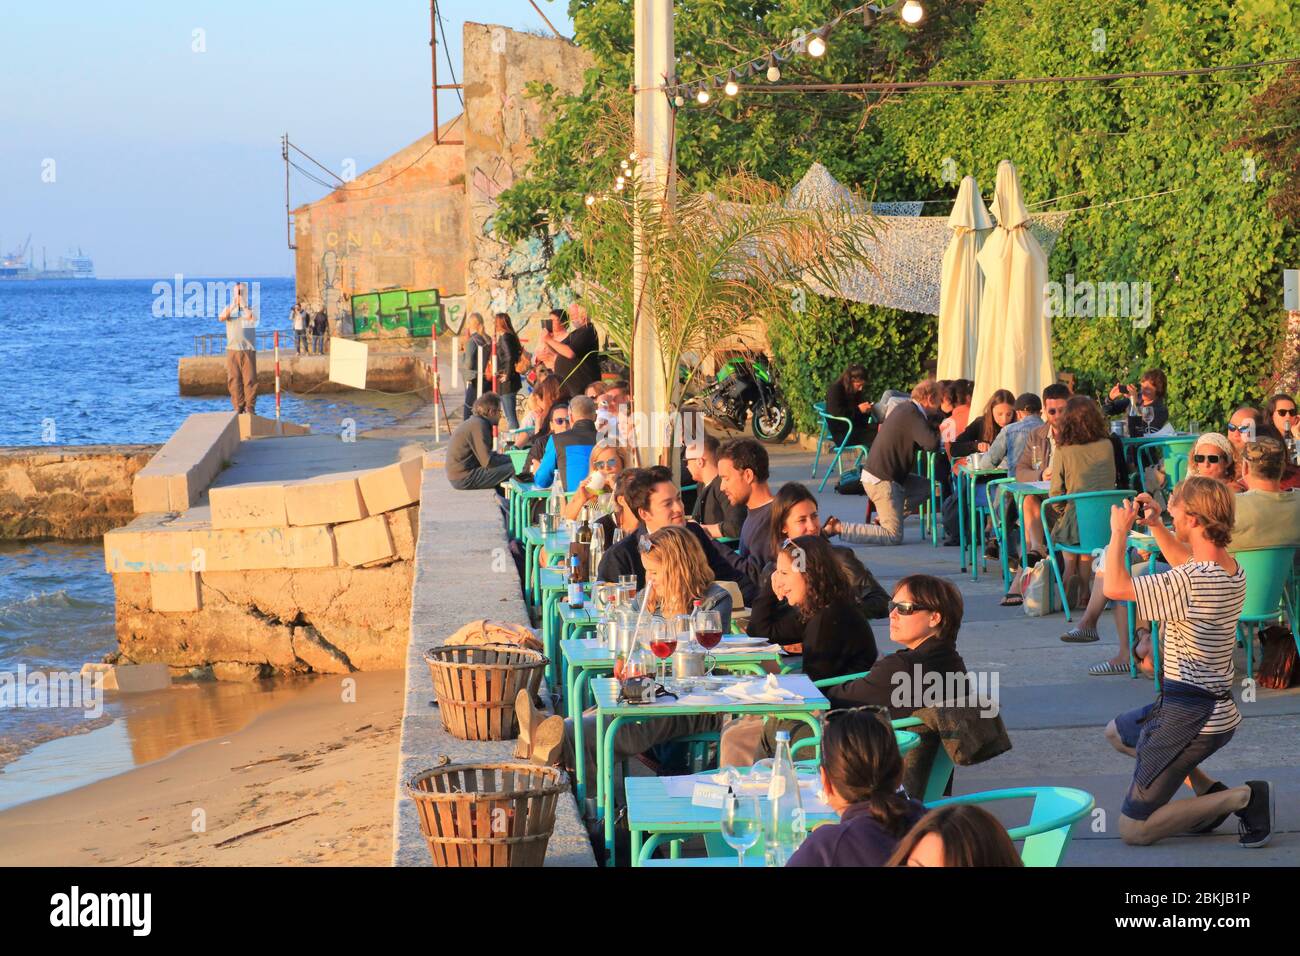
611,715
519,456
520,493
585,658
651,810
557,617
1019,490
534,543
967,480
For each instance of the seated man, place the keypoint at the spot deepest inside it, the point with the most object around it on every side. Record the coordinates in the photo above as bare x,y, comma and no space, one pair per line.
1197,603
568,451
471,462
713,511
656,501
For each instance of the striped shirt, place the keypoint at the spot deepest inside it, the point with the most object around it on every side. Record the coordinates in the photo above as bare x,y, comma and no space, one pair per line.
1197,605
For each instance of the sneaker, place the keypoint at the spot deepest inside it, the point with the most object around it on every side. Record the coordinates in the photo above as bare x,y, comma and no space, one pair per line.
1255,820
1216,787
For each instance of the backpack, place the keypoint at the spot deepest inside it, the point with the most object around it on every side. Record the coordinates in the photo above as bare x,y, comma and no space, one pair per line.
850,483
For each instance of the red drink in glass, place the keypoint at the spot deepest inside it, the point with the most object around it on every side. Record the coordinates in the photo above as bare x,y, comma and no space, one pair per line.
663,649
708,639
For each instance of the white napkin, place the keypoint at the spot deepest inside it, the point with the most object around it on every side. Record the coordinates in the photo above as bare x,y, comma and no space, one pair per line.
767,691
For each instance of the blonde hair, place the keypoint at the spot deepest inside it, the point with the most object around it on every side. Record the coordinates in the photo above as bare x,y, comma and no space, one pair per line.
683,574
601,446
1211,503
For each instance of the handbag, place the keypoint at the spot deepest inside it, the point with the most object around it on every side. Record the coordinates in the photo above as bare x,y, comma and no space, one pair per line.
1040,597
968,736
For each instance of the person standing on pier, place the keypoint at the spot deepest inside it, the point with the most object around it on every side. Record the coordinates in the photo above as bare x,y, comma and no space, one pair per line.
299,316
577,360
241,351
319,326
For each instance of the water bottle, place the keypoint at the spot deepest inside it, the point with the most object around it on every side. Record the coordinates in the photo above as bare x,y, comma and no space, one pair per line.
783,819
575,582
555,503
597,550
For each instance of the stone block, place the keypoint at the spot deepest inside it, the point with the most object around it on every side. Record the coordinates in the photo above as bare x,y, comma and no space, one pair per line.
259,426
404,526
150,493
252,505
176,591
330,499
141,678
261,549
392,487
186,465
364,541
101,675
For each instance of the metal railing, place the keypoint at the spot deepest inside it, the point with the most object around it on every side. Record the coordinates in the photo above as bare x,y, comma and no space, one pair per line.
214,343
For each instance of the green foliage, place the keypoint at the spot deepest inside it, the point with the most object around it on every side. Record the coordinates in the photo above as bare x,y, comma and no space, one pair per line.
1210,249
812,349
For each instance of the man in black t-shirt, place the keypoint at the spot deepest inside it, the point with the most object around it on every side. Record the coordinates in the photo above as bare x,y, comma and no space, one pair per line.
577,358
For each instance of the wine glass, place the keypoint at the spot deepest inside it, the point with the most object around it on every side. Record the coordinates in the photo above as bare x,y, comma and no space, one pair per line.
707,627
1036,458
740,823
663,641
1148,415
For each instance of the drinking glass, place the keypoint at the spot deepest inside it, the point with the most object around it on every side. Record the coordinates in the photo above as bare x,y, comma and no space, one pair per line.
741,823
663,641
707,627
1036,458
627,584
1148,415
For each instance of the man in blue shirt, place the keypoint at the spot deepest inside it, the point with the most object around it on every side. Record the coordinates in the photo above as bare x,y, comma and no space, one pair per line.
569,452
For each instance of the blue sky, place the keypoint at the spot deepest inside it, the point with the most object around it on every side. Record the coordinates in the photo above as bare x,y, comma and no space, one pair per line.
168,160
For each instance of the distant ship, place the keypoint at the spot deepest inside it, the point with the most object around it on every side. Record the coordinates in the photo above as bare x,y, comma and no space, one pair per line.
18,265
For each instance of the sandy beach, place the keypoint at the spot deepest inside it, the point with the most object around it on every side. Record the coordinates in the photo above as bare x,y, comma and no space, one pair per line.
309,782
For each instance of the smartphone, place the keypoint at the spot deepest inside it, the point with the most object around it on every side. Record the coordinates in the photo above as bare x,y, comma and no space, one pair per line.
547,325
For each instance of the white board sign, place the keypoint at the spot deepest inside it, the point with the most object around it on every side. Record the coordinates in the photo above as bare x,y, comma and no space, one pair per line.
348,361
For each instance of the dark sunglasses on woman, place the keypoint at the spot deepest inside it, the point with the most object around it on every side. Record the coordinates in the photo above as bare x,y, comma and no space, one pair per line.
1202,459
906,607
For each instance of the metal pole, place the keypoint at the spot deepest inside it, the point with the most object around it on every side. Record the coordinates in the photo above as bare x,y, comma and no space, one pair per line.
455,361
433,56
479,384
288,231
437,393
654,62
275,338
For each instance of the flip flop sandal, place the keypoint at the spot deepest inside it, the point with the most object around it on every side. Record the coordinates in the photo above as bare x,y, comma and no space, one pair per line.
1081,635
1011,599
1107,669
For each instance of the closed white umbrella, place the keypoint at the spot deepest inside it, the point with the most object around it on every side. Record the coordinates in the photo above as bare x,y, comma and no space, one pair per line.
961,283
1015,331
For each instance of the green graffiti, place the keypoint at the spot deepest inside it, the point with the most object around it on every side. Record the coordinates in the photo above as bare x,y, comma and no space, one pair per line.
423,312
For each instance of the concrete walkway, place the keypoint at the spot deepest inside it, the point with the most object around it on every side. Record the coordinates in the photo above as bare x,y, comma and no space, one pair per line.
1055,711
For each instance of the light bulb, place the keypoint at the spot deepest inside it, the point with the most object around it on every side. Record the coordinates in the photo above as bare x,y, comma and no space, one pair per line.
679,100
816,46
631,157
912,12
590,200
623,164
731,89
618,184
773,72
702,96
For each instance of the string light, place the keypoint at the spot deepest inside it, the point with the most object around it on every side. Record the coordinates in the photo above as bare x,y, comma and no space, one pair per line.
590,200
814,43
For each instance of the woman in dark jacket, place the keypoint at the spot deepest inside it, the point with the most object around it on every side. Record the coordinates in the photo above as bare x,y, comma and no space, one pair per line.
861,771
508,351
1151,390
847,398
999,411
474,341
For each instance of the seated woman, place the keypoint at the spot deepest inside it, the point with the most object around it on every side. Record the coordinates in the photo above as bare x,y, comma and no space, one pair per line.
1210,457
557,420
1083,461
1281,414
676,566
999,411
809,603
861,773
847,398
537,411
960,834
955,399
1149,392
794,514
607,460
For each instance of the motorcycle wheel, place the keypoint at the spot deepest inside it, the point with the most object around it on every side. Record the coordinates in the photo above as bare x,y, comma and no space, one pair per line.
772,424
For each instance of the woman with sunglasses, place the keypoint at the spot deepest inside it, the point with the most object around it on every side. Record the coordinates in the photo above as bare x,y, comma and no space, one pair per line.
861,772
1280,412
1211,457
1149,392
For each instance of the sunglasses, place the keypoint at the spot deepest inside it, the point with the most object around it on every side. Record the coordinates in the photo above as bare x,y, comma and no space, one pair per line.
1202,459
559,421
1284,412
1240,428
1053,411
906,607
607,463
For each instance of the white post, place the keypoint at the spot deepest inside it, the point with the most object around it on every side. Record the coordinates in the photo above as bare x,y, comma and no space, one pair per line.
654,60
479,384
437,393
455,361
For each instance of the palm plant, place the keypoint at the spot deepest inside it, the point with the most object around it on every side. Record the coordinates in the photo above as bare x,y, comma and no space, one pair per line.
712,261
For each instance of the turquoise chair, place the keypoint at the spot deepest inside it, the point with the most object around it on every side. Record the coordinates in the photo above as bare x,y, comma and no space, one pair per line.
1051,821
1092,513
825,435
1175,450
930,511
1268,572
992,495
1046,836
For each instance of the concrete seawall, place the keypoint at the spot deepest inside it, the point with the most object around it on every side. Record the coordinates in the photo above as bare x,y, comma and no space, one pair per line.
461,573
73,492
391,370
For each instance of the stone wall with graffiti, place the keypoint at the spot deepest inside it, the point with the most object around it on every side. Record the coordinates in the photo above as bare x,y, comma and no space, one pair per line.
398,226
393,313
500,124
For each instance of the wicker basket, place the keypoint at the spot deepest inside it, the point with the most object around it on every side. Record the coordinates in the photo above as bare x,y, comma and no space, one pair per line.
477,684
487,814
